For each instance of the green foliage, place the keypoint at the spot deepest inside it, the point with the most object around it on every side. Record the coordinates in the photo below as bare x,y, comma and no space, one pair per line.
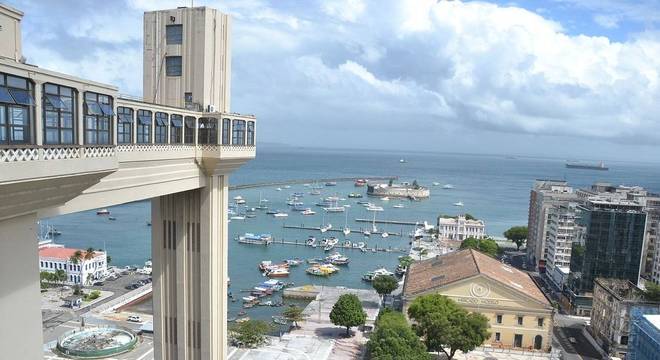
294,314
348,312
60,275
517,234
444,324
76,290
108,259
251,333
95,294
470,217
89,253
487,246
394,339
652,292
390,182
385,284
406,261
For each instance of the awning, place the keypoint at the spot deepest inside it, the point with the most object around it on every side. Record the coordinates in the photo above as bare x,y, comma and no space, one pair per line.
161,122
176,123
144,119
22,97
56,102
125,118
107,109
93,108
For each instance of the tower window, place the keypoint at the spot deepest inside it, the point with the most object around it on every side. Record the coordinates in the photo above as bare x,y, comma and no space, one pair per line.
173,65
174,34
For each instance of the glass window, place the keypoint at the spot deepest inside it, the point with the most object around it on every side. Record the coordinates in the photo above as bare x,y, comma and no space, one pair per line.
238,132
98,122
497,336
208,131
124,125
59,114
160,133
173,65
144,126
520,320
5,97
176,128
174,34
17,82
540,322
16,109
499,319
189,137
226,125
250,133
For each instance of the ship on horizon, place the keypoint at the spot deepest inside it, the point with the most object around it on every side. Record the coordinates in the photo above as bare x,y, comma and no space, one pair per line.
578,165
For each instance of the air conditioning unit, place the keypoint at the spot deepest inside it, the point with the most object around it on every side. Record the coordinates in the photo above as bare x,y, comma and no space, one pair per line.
211,108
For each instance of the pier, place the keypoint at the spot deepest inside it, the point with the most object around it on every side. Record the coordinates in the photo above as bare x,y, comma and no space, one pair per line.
310,181
337,246
392,222
318,228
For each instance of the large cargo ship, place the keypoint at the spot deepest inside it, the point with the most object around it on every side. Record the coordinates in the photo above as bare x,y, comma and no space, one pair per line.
576,165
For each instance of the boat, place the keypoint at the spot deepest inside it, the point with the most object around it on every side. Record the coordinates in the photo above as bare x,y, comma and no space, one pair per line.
311,241
375,208
315,261
371,275
293,262
287,186
331,183
278,272
447,186
243,319
365,203
103,212
361,245
298,194
261,205
360,182
325,228
328,247
385,198
322,269
585,166
239,202
308,211
335,209
315,192
460,203
402,160
347,244
366,233
250,299
251,216
112,218
355,196
299,207
435,183
279,189
148,223
250,238
272,212
280,214
398,206
384,234
400,270
280,320
238,217
337,259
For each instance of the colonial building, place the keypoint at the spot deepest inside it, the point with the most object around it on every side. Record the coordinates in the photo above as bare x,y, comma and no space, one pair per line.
83,270
519,314
460,228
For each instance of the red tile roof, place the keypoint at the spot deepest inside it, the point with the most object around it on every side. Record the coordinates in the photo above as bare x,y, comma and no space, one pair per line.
458,265
61,253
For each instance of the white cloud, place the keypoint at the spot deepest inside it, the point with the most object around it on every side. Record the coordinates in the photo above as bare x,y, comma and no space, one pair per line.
607,21
345,10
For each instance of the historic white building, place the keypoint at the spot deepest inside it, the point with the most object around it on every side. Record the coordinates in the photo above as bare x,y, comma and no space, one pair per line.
83,271
459,228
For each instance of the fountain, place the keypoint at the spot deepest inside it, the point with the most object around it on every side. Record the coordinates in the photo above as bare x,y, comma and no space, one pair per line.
96,342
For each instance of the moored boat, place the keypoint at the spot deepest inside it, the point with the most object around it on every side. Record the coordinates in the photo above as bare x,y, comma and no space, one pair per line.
103,212
260,239
371,275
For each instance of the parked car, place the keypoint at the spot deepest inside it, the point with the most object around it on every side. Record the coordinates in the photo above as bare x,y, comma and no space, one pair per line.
134,318
98,283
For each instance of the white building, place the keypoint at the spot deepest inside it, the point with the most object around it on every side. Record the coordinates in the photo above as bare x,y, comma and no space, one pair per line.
85,271
459,228
561,232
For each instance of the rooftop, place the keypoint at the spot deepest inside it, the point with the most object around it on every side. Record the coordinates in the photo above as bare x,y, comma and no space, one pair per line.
654,320
455,266
622,289
62,253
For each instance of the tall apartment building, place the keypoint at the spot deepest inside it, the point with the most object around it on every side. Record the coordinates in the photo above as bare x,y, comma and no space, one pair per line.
545,195
611,243
562,231
652,256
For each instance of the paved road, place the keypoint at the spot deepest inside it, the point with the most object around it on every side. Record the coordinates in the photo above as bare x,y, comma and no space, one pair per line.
568,327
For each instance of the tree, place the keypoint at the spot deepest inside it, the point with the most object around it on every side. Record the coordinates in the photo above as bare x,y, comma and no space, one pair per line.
390,182
294,314
405,261
517,234
652,292
348,312
108,259
251,333
470,243
470,217
489,247
444,324
385,284
89,253
394,339
76,257
60,275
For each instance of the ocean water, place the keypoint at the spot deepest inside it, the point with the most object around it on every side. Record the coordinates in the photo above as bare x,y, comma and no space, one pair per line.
493,188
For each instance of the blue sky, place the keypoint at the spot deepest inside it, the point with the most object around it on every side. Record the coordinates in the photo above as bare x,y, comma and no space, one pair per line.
576,79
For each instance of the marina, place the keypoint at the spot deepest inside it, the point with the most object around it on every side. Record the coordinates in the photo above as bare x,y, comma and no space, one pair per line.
296,242
359,231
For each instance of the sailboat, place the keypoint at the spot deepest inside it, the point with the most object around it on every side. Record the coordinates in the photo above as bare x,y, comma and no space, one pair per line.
374,229
460,203
324,227
261,205
346,230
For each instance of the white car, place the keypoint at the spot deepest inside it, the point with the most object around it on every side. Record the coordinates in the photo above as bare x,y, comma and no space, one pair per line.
134,318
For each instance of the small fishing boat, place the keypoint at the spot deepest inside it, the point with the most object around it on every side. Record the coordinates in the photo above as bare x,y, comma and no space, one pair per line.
435,183
361,245
400,270
272,212
325,228
385,198
293,262
111,218
371,275
299,207
280,214
278,272
238,217
360,182
347,244
402,160
384,234
239,201
279,189
315,192
103,212
346,231
298,194
334,209
460,203
366,233
328,247
355,195
241,313
331,183
337,259
398,206
375,208
311,241
308,211
250,299
366,203
251,216
447,186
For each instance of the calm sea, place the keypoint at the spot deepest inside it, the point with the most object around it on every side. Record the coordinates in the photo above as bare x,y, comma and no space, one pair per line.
492,188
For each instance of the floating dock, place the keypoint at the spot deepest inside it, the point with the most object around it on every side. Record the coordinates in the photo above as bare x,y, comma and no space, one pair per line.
393,222
310,181
316,228
337,246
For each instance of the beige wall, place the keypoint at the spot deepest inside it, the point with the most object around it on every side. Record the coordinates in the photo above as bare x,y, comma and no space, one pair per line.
205,52
10,32
489,298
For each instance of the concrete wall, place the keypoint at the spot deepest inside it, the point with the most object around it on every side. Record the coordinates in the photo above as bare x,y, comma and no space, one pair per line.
10,33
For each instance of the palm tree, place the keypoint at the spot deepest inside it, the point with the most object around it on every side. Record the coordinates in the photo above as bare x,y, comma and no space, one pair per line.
76,257
60,275
89,279
89,253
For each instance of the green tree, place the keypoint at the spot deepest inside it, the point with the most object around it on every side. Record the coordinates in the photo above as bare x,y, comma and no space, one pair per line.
390,182
76,257
406,261
294,314
444,324
348,312
517,234
394,339
470,217
108,259
489,246
251,333
385,284
89,253
470,243
652,292
60,275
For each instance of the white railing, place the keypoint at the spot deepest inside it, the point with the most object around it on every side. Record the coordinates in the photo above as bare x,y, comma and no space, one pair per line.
100,152
61,153
19,154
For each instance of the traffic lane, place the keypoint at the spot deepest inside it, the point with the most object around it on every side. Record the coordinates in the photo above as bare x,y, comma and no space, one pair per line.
581,346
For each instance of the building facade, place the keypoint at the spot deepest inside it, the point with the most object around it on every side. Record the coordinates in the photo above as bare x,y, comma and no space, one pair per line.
459,228
519,314
644,337
544,195
69,144
613,300
561,233
83,270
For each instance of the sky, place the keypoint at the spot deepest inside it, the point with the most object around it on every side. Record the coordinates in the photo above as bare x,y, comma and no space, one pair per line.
573,79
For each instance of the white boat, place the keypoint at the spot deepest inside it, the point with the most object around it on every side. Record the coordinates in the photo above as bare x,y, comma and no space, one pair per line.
371,275
448,186
460,203
308,211
335,209
375,208
346,231
279,189
287,186
402,160
238,198
385,198
325,228
103,212
239,202
435,183
280,214
238,217
384,234
398,206
366,233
